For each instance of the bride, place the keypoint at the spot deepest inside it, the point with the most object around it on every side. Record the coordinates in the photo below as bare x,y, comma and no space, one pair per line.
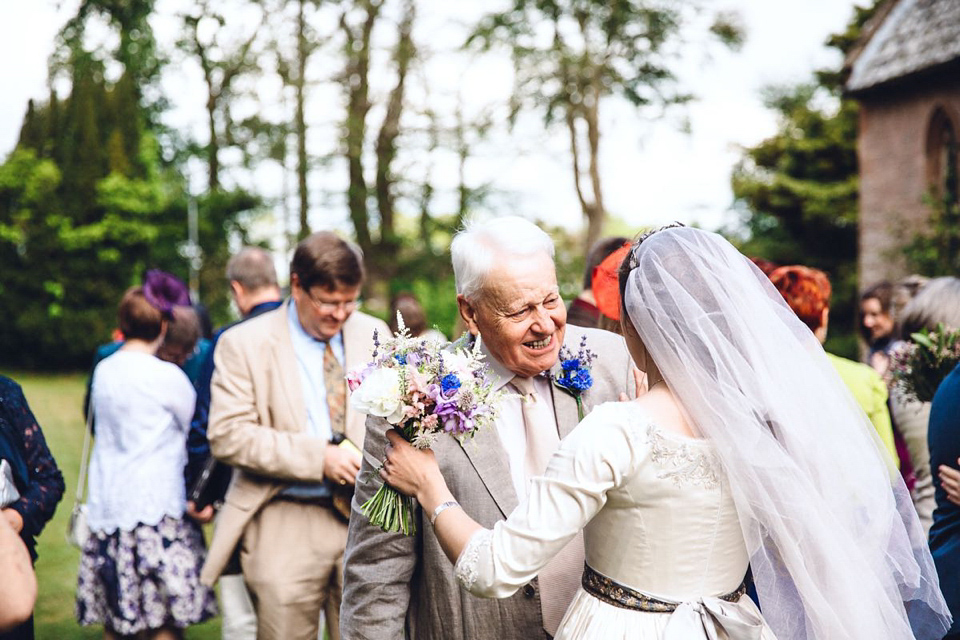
746,452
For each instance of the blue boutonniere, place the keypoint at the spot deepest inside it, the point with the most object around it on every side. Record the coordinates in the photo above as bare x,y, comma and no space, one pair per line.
574,375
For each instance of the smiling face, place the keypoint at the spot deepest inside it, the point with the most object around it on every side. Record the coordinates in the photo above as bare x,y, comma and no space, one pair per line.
519,314
875,319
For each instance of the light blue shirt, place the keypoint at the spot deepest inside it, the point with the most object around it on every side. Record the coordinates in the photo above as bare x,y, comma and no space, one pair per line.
309,352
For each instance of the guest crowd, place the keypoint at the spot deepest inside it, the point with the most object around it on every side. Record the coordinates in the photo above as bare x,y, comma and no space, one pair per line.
250,428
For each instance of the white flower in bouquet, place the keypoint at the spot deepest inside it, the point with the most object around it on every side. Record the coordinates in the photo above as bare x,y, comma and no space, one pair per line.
379,395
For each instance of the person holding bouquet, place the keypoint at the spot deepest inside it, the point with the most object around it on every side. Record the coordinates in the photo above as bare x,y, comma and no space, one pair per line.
278,405
724,463
553,373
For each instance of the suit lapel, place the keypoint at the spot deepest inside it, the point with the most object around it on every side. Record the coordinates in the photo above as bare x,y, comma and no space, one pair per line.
486,451
489,458
288,371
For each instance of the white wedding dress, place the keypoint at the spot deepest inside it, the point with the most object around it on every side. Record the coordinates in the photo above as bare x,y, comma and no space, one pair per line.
657,517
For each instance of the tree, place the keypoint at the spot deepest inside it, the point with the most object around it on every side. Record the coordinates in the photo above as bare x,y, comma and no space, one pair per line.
798,189
571,55
222,59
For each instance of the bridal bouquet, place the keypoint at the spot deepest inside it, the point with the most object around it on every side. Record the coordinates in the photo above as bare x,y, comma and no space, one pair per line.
424,390
918,367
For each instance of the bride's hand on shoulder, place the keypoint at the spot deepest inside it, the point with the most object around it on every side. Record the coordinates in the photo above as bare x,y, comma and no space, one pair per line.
640,380
411,471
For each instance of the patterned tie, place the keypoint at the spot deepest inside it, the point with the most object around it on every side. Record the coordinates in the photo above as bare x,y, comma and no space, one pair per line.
336,385
560,578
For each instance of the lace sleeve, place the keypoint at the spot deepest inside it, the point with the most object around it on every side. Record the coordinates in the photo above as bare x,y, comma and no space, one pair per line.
467,568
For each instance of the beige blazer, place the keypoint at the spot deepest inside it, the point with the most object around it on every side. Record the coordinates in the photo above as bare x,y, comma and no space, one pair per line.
258,417
396,586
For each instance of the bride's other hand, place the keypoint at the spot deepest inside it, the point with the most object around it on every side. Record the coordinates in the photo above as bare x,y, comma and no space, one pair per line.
411,471
640,380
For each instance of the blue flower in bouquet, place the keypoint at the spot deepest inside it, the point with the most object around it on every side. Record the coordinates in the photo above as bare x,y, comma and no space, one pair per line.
574,376
401,358
449,384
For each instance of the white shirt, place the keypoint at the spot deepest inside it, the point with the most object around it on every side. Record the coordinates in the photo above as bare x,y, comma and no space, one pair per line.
142,406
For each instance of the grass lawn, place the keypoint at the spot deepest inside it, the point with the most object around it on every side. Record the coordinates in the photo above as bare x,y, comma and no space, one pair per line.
56,401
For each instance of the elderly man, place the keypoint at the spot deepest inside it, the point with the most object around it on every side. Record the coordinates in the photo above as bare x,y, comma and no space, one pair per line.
396,585
278,403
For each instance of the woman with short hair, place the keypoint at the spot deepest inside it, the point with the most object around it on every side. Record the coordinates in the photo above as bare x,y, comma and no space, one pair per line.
139,570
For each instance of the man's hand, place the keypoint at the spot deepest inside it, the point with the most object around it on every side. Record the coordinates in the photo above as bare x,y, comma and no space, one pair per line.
203,516
14,518
640,380
950,479
341,465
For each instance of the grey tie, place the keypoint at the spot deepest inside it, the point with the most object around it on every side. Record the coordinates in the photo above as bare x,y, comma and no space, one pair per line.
560,578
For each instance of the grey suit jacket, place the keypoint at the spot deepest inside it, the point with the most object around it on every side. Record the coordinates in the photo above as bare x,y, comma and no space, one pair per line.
397,586
258,417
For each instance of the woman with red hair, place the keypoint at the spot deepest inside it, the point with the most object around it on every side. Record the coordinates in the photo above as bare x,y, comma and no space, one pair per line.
807,291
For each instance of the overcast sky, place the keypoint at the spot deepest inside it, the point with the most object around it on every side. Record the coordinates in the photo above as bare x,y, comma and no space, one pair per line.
652,172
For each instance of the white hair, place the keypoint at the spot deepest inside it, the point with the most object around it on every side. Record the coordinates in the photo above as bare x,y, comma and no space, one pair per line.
480,246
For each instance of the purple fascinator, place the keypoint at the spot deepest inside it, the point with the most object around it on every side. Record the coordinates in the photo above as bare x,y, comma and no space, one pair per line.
165,291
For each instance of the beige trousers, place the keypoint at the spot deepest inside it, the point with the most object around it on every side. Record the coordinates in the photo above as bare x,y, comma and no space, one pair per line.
292,561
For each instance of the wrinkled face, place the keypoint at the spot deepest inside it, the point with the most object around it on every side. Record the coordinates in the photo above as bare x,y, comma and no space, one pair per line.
322,312
519,314
875,319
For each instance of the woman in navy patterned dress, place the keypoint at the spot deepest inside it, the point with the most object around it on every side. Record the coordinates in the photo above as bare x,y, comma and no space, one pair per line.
34,473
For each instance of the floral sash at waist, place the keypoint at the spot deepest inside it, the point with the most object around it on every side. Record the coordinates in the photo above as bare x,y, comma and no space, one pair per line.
612,592
704,618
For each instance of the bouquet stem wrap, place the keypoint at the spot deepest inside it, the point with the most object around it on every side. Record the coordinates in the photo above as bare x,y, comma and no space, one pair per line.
389,509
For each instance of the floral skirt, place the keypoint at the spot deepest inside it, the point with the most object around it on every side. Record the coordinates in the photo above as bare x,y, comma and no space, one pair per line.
148,578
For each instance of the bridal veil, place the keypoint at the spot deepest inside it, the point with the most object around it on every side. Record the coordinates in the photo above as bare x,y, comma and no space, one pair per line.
835,546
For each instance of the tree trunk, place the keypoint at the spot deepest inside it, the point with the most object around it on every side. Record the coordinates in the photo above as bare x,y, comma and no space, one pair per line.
596,213
387,140
301,122
213,147
357,82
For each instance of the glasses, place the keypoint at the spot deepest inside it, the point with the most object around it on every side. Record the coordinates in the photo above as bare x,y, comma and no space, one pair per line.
322,306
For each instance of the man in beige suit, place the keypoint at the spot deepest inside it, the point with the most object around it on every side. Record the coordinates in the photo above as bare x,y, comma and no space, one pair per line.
278,401
398,586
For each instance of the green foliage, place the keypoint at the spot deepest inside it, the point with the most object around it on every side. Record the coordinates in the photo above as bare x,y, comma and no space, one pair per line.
88,203
797,191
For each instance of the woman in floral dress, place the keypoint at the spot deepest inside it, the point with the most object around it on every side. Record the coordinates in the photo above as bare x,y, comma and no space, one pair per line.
139,571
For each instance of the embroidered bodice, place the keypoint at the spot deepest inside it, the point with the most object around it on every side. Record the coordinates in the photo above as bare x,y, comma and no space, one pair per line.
656,512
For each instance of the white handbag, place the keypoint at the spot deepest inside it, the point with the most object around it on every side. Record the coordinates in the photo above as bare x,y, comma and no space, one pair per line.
77,529
8,489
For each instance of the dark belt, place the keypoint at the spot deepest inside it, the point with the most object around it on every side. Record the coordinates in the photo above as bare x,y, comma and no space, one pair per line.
612,592
319,501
